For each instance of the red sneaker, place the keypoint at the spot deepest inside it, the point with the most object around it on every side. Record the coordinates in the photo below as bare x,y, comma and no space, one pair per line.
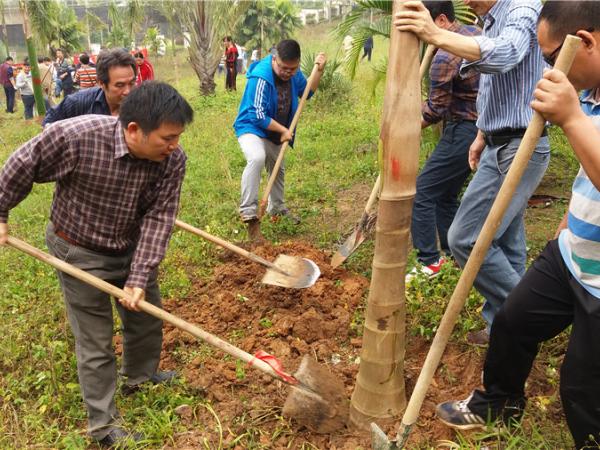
429,271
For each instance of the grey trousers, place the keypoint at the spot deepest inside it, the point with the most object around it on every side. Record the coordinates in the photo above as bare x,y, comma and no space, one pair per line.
259,153
91,318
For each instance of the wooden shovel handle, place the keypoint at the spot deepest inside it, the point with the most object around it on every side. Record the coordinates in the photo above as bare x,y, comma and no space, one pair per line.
494,218
313,82
426,61
373,196
144,306
228,245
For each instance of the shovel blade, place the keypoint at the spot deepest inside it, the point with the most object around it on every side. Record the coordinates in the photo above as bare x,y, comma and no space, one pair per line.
325,412
380,441
301,272
347,248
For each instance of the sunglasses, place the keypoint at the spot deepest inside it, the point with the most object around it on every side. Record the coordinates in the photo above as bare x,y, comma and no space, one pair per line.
551,58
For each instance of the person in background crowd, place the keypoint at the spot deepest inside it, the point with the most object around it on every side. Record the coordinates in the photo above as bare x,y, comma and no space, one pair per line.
231,55
254,56
241,59
46,70
25,86
368,48
86,74
7,79
63,73
145,71
116,70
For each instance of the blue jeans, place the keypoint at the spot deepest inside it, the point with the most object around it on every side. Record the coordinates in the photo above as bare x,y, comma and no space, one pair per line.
29,103
57,87
438,187
9,90
504,263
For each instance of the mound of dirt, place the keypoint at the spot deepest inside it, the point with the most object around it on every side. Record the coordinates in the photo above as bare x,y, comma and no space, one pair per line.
288,323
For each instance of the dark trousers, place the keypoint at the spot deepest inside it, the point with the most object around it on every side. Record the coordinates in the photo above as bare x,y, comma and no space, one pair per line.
90,315
29,103
230,77
546,301
367,51
438,186
9,91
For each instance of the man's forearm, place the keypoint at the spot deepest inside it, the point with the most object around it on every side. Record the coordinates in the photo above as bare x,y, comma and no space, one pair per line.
464,46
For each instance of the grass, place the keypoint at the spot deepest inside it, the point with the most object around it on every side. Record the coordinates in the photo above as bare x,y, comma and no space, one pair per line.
40,404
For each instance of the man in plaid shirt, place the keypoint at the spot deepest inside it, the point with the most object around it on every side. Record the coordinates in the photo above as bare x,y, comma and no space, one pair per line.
452,99
118,182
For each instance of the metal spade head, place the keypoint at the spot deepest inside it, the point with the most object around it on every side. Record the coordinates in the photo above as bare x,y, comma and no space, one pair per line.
292,272
322,404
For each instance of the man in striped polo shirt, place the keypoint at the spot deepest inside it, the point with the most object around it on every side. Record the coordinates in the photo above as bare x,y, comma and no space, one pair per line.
86,74
510,62
562,287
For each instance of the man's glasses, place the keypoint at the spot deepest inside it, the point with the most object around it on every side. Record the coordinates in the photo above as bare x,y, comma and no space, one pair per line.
286,69
551,58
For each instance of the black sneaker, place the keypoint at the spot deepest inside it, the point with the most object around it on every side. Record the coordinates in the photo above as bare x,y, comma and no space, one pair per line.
456,414
157,378
118,437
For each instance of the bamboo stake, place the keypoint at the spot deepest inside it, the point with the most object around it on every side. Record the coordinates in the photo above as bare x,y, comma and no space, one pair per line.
461,292
379,390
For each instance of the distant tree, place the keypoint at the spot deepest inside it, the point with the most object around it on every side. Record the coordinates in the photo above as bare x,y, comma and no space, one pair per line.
151,39
55,25
125,19
4,46
266,22
358,24
207,22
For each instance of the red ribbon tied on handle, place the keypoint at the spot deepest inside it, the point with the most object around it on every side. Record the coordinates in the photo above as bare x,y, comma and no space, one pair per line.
275,365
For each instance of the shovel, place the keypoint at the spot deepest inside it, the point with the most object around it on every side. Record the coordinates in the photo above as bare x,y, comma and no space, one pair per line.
317,401
313,81
365,225
286,271
535,128
361,230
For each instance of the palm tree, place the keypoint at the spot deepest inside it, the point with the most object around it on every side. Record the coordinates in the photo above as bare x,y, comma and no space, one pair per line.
55,25
4,47
207,22
266,22
358,24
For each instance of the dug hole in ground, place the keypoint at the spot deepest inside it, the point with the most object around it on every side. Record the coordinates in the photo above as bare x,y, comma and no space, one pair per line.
320,321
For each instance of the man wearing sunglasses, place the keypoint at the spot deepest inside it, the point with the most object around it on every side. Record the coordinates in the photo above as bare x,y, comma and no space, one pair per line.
268,106
510,62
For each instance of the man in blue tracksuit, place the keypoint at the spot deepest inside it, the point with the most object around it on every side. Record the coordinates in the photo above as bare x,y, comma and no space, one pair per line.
268,106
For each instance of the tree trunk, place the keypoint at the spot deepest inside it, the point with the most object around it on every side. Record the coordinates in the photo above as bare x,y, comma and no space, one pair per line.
379,392
4,30
204,57
35,69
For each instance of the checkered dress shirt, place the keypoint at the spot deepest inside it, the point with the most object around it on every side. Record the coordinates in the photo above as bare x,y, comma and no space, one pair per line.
105,198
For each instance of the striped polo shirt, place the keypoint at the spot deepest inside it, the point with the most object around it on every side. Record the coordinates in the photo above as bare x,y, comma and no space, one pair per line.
580,242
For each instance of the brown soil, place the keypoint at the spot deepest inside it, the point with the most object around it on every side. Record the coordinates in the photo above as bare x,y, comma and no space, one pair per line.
290,323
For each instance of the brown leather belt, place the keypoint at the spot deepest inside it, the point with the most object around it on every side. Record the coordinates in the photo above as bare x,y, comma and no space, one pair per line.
61,234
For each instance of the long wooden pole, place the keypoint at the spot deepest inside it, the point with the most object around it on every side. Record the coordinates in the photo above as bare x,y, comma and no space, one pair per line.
379,391
494,218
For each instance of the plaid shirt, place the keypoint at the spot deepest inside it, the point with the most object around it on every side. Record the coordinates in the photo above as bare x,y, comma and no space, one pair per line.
451,97
105,198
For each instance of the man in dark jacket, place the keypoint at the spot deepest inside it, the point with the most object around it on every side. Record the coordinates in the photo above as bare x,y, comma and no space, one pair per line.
262,125
116,71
